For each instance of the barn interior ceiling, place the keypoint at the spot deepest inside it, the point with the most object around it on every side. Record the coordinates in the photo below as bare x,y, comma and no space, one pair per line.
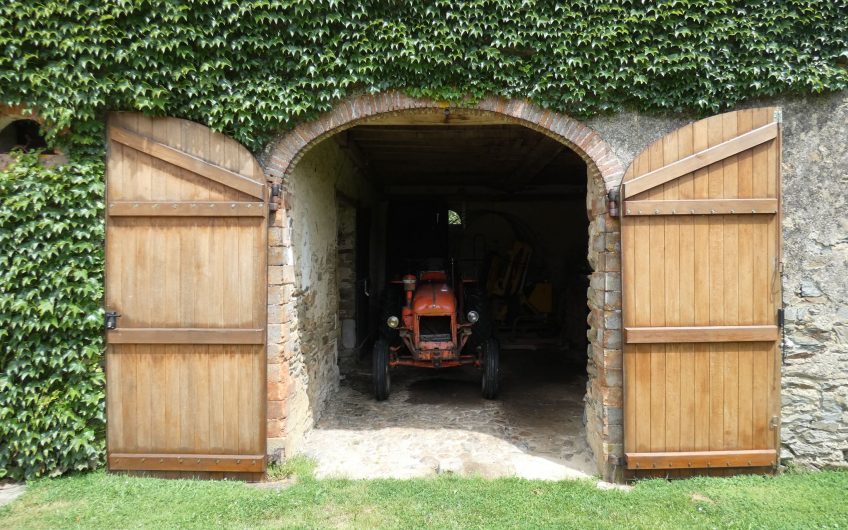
497,160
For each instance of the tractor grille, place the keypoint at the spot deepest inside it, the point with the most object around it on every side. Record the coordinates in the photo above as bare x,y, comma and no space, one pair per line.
434,329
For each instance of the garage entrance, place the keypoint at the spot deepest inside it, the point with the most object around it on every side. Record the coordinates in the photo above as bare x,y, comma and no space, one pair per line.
499,209
325,174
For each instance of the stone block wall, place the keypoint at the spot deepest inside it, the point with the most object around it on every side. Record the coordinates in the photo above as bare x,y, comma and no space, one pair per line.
815,281
303,296
604,396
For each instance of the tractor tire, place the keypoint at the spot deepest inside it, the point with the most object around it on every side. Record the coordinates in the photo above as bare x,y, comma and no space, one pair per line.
391,303
491,366
380,370
483,329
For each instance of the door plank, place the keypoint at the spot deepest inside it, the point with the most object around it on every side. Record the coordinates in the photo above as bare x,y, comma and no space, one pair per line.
185,336
185,209
715,153
699,207
704,334
672,301
186,161
702,459
187,462
686,294
658,309
730,375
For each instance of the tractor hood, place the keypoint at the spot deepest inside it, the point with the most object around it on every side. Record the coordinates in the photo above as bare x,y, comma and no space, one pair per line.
434,298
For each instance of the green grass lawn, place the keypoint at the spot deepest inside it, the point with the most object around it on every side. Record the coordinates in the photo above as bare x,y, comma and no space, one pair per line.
99,500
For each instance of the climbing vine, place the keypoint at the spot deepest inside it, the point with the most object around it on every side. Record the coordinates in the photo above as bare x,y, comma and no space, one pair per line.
51,290
252,68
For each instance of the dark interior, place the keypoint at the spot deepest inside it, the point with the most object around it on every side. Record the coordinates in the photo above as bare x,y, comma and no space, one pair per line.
502,204
24,135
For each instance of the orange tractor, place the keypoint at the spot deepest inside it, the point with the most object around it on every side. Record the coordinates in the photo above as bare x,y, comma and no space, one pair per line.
427,322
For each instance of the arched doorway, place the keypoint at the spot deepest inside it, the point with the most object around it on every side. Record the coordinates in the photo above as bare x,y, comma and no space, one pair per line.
297,389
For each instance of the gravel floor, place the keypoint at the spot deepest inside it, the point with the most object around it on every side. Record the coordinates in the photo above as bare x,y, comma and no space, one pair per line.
436,422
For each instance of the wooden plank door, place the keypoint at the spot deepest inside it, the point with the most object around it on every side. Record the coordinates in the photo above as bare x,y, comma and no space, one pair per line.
701,286
186,215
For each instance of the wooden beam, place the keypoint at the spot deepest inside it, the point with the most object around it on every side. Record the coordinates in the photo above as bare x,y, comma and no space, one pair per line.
186,462
702,459
187,161
186,209
700,159
482,191
663,335
701,207
185,336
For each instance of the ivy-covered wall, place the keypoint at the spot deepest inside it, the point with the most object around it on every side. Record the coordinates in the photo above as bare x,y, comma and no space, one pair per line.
254,68
51,292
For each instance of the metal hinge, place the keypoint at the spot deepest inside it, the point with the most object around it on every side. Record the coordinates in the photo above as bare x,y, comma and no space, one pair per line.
778,116
111,319
780,318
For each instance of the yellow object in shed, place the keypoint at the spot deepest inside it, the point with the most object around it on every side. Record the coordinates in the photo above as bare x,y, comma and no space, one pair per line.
541,299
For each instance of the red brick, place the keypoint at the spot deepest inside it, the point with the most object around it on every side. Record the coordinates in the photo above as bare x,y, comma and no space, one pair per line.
275,410
276,390
274,429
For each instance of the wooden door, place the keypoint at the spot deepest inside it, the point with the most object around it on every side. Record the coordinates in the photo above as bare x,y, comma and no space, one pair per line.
701,286
186,272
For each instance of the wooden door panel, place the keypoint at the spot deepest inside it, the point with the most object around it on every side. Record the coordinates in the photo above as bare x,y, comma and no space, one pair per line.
186,271
700,264
209,262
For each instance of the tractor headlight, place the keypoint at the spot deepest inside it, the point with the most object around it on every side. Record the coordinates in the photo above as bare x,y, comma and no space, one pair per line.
393,322
473,316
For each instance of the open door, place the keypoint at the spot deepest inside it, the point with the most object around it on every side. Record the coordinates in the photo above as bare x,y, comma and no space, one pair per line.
700,245
186,218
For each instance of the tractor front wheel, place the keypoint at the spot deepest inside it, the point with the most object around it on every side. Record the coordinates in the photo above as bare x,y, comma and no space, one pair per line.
491,353
380,370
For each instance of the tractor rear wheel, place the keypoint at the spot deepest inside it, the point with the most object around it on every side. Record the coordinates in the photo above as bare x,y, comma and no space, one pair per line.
380,370
491,353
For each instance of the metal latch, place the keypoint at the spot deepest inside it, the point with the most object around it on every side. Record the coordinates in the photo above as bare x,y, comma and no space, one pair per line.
780,318
111,319
774,422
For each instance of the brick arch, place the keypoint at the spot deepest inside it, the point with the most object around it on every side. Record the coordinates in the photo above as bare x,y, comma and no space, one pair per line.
604,392
282,156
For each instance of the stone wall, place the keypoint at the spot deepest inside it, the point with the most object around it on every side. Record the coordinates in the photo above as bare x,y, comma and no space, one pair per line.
815,281
304,328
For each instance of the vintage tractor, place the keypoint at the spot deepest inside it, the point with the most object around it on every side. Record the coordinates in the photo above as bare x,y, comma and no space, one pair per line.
427,322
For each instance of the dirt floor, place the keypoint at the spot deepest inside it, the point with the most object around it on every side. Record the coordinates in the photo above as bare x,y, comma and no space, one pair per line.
436,422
